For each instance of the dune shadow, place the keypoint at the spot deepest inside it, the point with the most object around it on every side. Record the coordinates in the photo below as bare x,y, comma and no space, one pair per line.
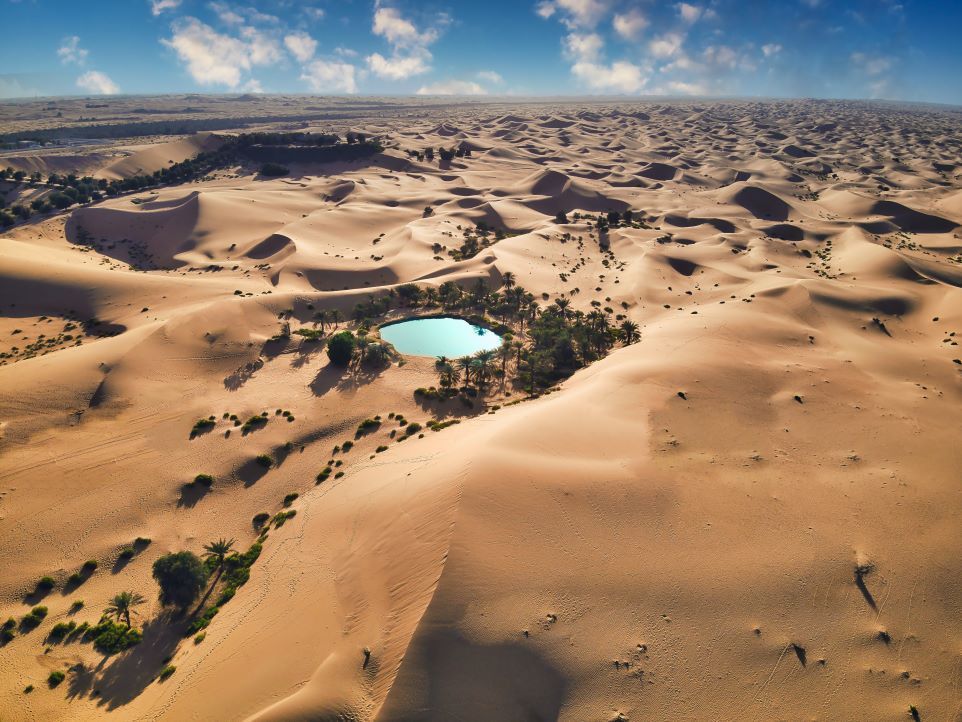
250,472
190,494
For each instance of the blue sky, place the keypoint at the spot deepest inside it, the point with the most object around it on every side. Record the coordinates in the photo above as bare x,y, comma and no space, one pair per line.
892,49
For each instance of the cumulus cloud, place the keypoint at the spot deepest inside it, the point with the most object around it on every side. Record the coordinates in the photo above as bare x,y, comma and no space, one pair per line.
301,45
575,13
159,6
410,55
630,24
214,58
93,81
71,52
452,87
389,24
584,47
688,12
667,45
399,67
621,76
770,50
687,88
330,76
720,56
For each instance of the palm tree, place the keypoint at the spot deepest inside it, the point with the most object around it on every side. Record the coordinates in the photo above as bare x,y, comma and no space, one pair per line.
505,352
122,606
629,332
563,304
466,365
483,363
334,317
218,551
508,279
447,375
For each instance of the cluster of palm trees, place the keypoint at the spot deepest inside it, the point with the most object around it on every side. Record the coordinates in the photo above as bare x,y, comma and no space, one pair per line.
478,369
122,606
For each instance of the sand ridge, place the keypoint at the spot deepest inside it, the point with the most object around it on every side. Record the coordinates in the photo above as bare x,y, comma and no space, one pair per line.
671,534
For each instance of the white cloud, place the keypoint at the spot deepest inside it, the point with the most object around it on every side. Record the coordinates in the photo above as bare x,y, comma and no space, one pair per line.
871,65
398,31
314,14
214,58
490,76
667,45
410,55
330,76
771,49
253,86
545,9
301,45
678,86
345,52
399,67
71,52
582,13
720,56
93,81
452,87
621,76
584,48
630,24
159,6
688,12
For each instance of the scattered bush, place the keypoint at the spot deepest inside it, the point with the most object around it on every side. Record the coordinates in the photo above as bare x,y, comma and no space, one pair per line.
166,672
264,460
289,499
89,566
111,637
260,519
380,449
55,678
45,585
282,517
61,630
202,425
204,479
33,618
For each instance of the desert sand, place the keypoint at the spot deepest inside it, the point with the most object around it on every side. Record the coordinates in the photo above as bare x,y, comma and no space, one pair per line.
672,532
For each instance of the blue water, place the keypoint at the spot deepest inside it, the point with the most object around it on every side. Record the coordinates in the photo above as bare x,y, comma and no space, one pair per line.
451,337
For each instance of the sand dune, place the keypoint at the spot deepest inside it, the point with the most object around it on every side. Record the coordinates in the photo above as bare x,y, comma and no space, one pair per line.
672,532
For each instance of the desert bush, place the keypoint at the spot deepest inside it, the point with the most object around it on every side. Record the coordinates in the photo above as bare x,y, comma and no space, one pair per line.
166,672
340,348
264,460
46,584
33,618
181,576
204,479
260,519
380,449
55,678
289,499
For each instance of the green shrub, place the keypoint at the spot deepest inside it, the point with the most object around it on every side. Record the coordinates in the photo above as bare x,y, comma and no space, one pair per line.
55,678
282,517
412,428
260,519
254,422
347,446
28,689
264,460
110,637
198,638
76,606
289,499
340,348
61,630
89,566
127,553
46,584
33,618
204,479
166,672
181,576
202,425
76,579
366,426
380,449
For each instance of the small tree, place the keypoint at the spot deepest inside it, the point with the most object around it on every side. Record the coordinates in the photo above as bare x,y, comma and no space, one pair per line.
122,606
181,576
340,349
561,218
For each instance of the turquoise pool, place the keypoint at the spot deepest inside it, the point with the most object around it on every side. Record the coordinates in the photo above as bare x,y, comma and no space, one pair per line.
451,337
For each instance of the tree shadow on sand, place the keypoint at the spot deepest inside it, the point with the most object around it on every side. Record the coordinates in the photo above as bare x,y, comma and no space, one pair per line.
241,376
120,679
333,377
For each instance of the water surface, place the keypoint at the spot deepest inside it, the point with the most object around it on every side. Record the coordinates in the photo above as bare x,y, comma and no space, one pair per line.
451,337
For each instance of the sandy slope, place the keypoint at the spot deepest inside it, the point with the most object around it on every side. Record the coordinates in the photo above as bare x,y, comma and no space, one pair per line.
672,534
